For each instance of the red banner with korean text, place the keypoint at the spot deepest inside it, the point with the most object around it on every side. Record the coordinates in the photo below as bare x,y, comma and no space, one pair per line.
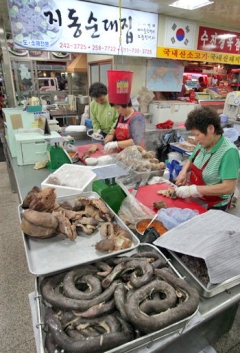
217,40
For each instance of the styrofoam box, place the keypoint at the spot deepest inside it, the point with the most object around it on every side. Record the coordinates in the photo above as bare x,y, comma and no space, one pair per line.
73,179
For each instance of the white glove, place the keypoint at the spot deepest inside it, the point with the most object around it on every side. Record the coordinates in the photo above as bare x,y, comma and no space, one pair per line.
110,146
97,135
187,191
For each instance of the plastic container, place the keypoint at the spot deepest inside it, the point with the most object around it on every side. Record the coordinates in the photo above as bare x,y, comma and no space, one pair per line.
88,123
174,156
33,108
166,174
76,179
224,118
119,86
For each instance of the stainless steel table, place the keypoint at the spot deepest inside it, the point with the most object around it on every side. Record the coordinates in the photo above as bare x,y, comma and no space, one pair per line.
216,314
65,114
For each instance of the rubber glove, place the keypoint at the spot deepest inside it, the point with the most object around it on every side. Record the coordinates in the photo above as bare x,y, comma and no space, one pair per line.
110,146
187,191
97,135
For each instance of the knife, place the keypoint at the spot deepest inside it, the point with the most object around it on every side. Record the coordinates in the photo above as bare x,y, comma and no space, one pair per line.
134,191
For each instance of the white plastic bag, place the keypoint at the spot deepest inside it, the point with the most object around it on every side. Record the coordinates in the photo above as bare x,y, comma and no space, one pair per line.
132,210
173,216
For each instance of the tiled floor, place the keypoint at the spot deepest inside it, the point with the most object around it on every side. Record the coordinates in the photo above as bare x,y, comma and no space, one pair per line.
16,332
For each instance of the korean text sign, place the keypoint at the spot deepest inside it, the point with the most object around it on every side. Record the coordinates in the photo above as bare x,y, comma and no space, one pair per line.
198,55
218,40
76,26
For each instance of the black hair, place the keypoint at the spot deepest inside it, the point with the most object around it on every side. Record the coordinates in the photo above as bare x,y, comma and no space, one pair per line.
97,90
201,118
123,105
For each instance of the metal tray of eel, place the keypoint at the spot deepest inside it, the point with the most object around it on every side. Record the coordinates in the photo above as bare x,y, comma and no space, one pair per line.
51,255
206,290
140,341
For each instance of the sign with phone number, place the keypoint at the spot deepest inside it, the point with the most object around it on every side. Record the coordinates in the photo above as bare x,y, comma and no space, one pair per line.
76,26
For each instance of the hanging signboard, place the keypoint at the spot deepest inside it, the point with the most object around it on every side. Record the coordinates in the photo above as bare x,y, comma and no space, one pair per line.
197,55
218,40
179,34
82,27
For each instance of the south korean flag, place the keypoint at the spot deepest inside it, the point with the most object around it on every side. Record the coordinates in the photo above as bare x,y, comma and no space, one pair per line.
179,34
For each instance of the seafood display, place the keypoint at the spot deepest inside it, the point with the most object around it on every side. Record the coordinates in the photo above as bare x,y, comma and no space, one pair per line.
99,306
44,217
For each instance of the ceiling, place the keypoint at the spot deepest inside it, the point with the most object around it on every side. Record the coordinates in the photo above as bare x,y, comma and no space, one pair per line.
222,13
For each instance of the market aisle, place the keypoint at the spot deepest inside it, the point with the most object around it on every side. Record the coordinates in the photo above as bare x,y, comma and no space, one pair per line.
16,333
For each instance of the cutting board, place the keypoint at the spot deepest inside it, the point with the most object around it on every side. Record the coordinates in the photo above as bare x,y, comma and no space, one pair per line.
148,194
99,153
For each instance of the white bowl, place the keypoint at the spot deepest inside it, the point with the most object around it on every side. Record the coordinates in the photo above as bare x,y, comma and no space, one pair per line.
91,161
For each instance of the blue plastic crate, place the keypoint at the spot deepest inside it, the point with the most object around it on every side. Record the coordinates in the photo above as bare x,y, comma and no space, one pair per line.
88,123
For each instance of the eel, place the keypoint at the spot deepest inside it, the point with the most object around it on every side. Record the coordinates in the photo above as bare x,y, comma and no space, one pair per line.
82,275
146,323
142,267
120,299
98,309
52,293
97,344
159,261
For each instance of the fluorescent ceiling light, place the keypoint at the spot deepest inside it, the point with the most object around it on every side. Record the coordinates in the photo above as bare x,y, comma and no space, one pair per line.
191,4
226,36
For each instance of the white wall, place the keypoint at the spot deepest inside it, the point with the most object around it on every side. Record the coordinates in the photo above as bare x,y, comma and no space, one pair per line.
130,63
96,57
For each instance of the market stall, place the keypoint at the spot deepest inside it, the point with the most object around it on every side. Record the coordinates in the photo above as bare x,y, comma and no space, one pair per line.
214,316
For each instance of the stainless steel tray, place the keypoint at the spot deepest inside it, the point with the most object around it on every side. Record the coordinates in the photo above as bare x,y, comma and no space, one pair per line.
205,291
179,149
140,344
45,256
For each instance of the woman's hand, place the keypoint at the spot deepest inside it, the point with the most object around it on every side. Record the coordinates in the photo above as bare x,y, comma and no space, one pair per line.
187,191
181,179
110,146
109,138
182,176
